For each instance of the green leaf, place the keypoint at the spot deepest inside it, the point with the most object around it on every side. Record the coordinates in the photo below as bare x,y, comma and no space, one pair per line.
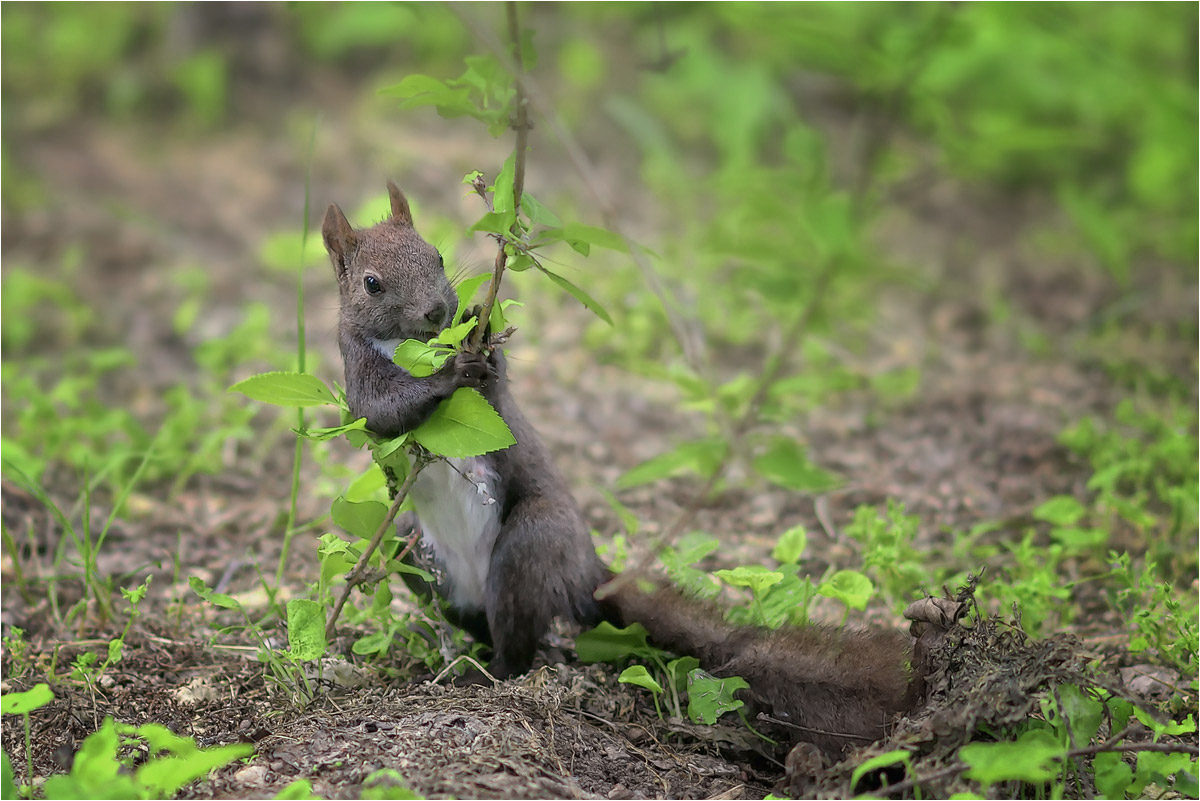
790,546
419,359
1188,726
423,90
360,519
502,202
537,213
580,295
756,577
35,697
600,237
465,424
607,643
165,777
466,290
455,334
323,434
1113,776
700,456
299,790
848,586
286,389
638,675
377,643
1031,758
1061,510
710,697
8,785
884,760
215,598
786,464
306,629
366,486
495,222
678,670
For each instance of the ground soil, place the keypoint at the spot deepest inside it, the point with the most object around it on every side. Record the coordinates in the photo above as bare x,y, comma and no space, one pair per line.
977,442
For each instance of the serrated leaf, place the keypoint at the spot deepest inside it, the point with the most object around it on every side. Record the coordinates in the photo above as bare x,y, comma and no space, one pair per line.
786,464
306,629
464,424
35,697
581,296
286,389
360,519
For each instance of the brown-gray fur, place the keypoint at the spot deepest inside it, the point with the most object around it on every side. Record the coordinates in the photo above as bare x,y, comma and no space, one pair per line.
839,688
836,688
543,564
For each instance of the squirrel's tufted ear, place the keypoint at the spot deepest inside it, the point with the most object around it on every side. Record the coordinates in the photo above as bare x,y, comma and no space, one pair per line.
400,212
340,240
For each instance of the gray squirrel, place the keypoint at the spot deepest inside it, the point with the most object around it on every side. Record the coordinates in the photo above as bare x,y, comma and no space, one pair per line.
511,540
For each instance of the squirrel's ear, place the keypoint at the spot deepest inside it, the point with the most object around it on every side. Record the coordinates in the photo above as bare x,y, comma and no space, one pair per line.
400,212
340,240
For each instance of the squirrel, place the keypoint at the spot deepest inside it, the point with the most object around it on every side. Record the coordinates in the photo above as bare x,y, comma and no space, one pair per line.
513,549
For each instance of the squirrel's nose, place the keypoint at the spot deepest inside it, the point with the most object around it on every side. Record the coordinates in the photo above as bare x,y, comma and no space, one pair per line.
437,315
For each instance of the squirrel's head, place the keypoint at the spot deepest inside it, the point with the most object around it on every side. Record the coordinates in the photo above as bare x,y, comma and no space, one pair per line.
392,282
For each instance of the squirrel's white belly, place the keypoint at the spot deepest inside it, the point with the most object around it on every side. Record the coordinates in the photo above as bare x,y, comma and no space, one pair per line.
459,515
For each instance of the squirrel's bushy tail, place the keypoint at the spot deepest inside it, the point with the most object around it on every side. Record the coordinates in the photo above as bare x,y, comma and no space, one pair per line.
836,688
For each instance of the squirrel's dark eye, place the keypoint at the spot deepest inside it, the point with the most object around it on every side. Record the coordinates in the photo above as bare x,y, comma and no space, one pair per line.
441,261
372,284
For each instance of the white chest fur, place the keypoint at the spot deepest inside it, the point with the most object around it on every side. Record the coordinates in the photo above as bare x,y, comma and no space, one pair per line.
460,517
386,347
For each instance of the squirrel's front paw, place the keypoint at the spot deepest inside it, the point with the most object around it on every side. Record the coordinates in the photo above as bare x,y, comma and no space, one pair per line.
471,370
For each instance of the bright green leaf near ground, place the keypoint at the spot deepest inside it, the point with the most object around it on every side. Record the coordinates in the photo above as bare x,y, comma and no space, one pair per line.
286,389
22,703
306,629
791,546
756,577
607,643
897,757
1061,510
502,203
710,697
464,425
215,598
638,675
1031,758
848,586
786,464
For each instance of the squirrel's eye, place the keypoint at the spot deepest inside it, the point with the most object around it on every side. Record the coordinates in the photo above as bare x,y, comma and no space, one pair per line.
441,261
372,284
